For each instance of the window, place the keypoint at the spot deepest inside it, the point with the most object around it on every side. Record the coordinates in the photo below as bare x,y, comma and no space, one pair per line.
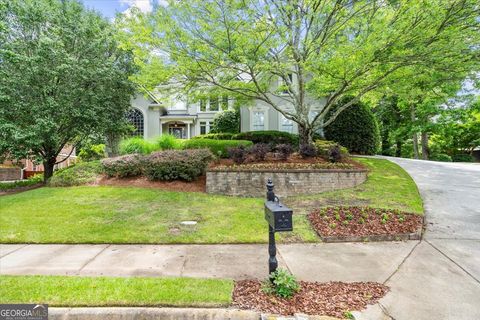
135,117
204,127
203,104
214,104
225,103
258,120
286,124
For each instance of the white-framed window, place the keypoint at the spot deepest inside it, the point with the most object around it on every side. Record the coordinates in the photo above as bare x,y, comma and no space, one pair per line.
213,104
204,127
258,120
286,124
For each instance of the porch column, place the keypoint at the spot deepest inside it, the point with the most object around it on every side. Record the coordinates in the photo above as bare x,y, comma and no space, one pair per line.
161,129
188,130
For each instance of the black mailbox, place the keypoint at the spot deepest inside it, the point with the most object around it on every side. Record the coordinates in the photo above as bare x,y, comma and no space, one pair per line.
278,216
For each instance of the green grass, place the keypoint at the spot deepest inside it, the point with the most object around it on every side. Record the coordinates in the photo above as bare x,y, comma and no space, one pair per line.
91,214
134,215
387,186
109,291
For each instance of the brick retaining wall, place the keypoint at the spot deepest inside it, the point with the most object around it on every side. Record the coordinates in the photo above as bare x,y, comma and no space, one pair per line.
287,182
8,174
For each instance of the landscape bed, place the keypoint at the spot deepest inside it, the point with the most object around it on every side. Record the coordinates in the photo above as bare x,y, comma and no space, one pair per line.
341,224
334,299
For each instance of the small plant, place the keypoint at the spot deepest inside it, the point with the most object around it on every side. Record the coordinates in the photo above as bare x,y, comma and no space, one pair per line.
284,151
238,154
308,151
349,216
282,283
167,142
259,151
345,222
361,220
335,154
348,315
337,216
332,225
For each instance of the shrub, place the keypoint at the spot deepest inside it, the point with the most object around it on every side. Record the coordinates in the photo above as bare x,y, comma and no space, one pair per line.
271,137
284,151
167,142
136,145
177,164
217,147
462,157
335,154
356,129
78,174
308,151
36,179
259,151
226,121
441,157
130,165
282,283
237,154
92,152
324,147
215,136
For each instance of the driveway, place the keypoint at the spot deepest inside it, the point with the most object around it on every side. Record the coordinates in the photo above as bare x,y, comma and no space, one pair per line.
440,279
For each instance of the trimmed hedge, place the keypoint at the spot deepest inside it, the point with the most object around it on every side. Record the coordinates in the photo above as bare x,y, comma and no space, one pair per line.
78,174
269,136
177,164
215,136
217,147
441,157
356,129
130,165
325,146
463,157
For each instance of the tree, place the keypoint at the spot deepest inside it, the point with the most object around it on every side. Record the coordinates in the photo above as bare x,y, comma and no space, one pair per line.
317,49
62,78
226,122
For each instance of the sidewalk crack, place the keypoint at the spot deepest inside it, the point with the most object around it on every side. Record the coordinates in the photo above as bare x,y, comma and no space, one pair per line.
403,261
385,311
14,251
445,255
93,258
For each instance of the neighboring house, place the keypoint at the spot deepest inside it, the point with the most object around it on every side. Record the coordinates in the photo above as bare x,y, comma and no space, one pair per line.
185,119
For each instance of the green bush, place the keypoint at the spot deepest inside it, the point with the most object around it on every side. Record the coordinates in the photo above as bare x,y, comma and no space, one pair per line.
355,128
137,145
463,157
92,152
177,164
271,137
282,283
78,174
130,165
226,122
36,179
167,142
217,147
441,157
215,136
324,147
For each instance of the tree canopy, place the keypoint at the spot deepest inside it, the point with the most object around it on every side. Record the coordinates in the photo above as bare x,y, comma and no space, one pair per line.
62,78
317,50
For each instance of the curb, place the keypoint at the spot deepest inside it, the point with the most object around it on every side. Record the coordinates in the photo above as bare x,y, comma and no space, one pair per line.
131,313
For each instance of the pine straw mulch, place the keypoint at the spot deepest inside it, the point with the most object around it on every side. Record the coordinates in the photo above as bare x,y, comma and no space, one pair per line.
314,298
177,185
363,221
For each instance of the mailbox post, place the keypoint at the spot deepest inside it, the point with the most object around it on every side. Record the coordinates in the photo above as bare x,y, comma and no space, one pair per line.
279,219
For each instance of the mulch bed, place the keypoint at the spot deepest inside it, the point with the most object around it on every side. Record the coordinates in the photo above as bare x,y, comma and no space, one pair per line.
314,298
194,186
364,221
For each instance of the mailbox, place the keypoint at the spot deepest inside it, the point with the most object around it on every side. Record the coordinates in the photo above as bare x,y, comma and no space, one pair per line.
278,216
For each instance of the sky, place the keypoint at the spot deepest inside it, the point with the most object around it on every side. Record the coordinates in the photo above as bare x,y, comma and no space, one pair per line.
109,8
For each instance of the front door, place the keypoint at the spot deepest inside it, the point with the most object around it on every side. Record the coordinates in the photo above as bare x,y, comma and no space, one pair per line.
177,132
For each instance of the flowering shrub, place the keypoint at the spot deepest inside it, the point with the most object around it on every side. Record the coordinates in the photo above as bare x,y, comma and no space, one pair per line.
130,165
177,164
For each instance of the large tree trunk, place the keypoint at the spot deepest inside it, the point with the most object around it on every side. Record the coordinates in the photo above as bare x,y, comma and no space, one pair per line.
305,135
112,143
414,135
425,150
48,165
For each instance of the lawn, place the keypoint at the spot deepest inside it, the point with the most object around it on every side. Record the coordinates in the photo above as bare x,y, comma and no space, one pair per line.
93,214
388,186
108,291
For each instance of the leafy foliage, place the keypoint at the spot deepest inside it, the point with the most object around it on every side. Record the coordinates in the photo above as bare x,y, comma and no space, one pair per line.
167,142
307,150
226,122
130,165
137,145
237,154
355,128
215,136
441,157
268,136
92,152
78,174
217,147
335,154
259,151
177,164
282,283
325,146
36,179
62,78
462,157
284,150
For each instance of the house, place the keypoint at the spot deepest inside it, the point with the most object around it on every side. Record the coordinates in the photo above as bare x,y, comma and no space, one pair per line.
153,116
